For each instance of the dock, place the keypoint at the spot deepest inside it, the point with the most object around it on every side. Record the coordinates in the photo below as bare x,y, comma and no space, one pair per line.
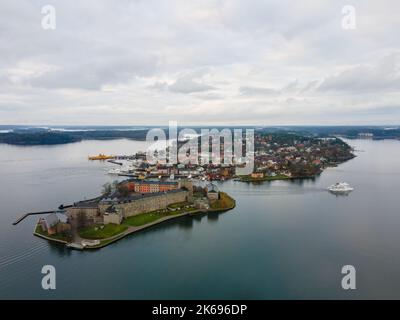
76,246
35,213
115,162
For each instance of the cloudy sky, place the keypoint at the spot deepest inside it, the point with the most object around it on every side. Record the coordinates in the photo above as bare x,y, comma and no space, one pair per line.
200,62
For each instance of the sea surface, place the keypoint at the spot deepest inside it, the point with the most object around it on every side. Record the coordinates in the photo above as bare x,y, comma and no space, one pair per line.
284,239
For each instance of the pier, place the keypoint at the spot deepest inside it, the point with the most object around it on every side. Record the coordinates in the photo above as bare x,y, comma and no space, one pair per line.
115,162
35,213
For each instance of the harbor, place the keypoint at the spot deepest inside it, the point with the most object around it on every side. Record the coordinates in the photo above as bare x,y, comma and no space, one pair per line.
35,214
160,190
271,222
126,207
276,156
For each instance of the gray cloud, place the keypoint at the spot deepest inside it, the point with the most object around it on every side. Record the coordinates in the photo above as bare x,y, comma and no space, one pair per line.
188,85
96,73
250,91
393,109
185,84
145,62
384,76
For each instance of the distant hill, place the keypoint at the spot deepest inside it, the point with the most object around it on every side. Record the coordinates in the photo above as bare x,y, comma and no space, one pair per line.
378,132
18,135
27,137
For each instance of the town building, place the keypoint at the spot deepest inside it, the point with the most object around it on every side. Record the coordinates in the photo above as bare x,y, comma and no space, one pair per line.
144,196
257,175
212,192
49,223
143,186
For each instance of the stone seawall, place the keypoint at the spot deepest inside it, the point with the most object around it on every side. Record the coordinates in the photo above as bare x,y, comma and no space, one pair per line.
84,216
87,215
149,204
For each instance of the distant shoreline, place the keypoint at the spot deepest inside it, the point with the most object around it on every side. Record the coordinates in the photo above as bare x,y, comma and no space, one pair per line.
284,177
36,136
44,137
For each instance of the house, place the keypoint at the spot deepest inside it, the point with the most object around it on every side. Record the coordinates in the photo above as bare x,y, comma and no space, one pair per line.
49,223
151,186
212,192
257,175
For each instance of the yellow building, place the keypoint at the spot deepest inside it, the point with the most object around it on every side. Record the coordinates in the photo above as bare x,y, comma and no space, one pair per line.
257,175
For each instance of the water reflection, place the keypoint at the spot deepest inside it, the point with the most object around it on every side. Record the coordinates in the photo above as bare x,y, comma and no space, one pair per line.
185,223
59,249
213,217
284,239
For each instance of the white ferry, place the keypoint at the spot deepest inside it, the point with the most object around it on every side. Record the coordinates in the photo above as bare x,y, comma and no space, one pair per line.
340,187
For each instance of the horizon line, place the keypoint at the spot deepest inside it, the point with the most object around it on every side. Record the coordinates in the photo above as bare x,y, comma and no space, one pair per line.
198,125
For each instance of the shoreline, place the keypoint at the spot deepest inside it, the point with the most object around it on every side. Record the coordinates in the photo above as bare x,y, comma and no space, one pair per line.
131,230
276,179
37,234
284,178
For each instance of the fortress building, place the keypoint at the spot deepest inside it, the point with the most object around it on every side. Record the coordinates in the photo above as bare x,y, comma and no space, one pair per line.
143,197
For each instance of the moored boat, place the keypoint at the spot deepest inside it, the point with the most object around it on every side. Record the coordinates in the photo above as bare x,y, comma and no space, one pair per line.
340,187
100,157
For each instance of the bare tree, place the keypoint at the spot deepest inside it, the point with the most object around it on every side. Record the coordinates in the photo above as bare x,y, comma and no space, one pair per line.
107,188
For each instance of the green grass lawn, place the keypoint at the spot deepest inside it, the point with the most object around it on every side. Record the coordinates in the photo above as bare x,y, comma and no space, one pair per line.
105,242
224,202
268,178
145,218
179,205
109,230
142,219
62,236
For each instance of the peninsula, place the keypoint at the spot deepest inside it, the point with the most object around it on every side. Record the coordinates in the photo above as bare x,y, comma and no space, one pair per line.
282,156
127,207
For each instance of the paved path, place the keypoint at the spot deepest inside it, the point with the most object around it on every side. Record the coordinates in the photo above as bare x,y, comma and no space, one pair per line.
74,231
133,229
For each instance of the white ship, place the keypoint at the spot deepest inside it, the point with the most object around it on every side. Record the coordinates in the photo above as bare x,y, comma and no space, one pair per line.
118,171
115,171
340,187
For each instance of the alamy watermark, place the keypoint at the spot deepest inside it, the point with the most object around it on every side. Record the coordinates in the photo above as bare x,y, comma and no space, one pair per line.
49,280
202,147
349,17
349,280
48,21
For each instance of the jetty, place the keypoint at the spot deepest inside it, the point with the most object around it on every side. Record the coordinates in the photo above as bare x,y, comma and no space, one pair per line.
33,214
100,157
115,162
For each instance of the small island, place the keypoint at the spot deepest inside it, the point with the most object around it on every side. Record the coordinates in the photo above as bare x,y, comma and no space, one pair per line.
127,207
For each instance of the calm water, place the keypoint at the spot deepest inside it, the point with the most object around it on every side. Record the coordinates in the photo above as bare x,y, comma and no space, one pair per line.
283,240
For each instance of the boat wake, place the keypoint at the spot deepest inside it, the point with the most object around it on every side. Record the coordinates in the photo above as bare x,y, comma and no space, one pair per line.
25,254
